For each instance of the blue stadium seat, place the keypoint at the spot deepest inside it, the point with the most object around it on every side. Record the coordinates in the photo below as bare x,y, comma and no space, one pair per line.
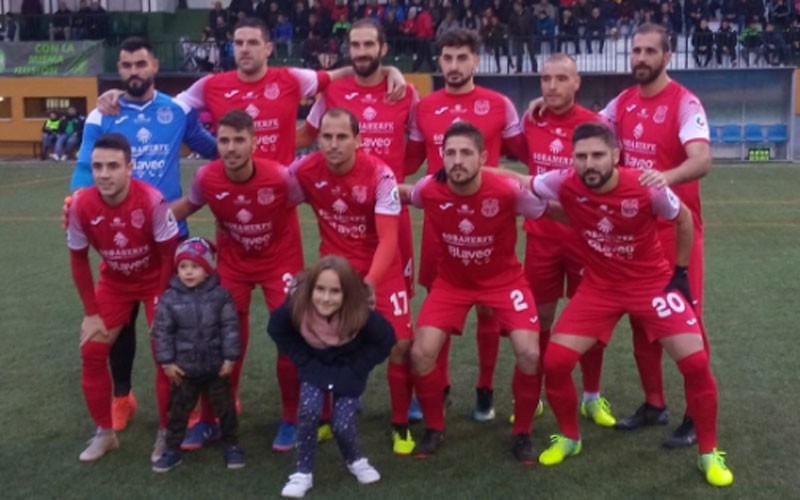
777,133
732,134
753,132
715,133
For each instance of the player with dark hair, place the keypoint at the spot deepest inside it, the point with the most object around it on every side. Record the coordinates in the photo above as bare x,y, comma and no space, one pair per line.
494,115
132,228
473,216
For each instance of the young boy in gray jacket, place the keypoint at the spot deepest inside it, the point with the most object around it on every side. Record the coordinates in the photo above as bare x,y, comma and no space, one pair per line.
196,338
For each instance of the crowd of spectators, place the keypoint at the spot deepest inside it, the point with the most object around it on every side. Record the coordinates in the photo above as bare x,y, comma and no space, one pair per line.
61,134
89,22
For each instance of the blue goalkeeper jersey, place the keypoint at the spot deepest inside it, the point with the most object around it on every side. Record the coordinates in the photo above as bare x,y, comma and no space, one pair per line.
155,129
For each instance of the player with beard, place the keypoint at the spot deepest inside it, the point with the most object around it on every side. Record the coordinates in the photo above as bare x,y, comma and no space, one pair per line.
663,131
473,214
494,115
382,124
156,125
625,272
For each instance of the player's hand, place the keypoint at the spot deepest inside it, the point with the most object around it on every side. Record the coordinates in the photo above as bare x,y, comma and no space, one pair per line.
108,102
536,108
91,327
227,368
395,84
65,209
371,301
652,178
173,373
680,282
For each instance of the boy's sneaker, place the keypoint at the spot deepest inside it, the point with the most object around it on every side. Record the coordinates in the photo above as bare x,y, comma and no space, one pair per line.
560,448
324,432
160,446
201,434
683,436
414,411
286,438
598,411
432,440
646,414
298,485
402,440
364,472
168,461
122,409
522,448
714,467
104,440
484,405
234,457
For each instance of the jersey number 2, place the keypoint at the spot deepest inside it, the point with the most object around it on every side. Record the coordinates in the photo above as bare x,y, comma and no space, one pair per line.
518,300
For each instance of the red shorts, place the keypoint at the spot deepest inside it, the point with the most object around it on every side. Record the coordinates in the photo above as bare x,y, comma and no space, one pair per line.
392,300
429,254
548,263
275,286
594,312
115,305
446,307
406,243
667,237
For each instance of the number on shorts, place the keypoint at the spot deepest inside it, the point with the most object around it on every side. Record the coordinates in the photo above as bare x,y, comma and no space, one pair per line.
665,307
518,300
400,303
287,281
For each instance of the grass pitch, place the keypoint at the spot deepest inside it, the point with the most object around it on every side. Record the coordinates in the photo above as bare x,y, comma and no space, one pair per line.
752,220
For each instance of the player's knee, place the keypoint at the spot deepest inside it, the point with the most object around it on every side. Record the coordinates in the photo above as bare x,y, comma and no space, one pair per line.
528,359
693,364
401,352
558,361
422,362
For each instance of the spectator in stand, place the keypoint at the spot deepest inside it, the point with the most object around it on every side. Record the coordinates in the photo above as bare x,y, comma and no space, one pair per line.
545,32
568,32
780,15
694,12
299,19
237,6
50,134
755,10
496,39
282,35
340,28
9,32
60,27
96,22
676,9
260,9
520,30
725,41
774,48
220,29
271,15
29,10
626,20
546,7
407,43
728,11
752,41
313,48
397,9
340,9
217,11
436,12
500,8
793,38
423,35
595,30
448,23
374,11
703,43
581,13
69,134
354,11
470,21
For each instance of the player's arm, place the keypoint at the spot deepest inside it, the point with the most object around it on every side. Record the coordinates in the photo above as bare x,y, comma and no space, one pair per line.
196,137
514,143
186,205
165,233
524,180
231,339
387,224
696,166
414,156
108,101
684,235
304,136
396,82
82,175
195,96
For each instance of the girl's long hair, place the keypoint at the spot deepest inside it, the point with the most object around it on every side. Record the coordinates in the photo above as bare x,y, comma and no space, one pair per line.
355,310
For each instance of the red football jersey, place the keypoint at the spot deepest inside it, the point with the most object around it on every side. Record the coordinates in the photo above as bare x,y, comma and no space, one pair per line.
382,124
618,229
272,103
252,217
125,235
478,233
492,113
549,139
346,205
654,131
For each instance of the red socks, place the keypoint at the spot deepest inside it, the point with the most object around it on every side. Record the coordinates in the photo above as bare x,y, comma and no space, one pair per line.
648,361
429,390
488,337
400,389
701,398
290,388
443,361
592,368
96,382
559,361
526,389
